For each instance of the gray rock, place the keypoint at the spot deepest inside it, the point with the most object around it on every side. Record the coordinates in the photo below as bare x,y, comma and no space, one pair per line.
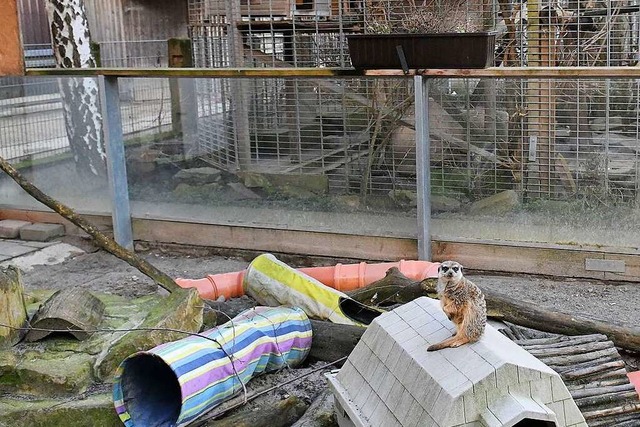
499,203
198,176
441,203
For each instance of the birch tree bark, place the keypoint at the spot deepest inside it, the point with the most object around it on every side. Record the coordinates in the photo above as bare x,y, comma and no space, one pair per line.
71,41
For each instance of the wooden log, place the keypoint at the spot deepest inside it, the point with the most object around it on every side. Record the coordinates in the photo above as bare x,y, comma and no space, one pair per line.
13,312
593,370
393,288
561,341
617,410
509,334
74,309
607,398
332,341
564,351
515,331
596,384
561,361
588,363
595,391
628,420
282,414
102,240
321,413
618,373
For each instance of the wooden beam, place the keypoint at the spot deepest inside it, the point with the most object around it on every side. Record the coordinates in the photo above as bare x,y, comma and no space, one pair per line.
508,257
497,72
11,56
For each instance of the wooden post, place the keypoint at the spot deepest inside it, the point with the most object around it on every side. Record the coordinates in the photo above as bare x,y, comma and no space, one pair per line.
239,87
11,56
12,308
547,116
533,107
184,105
116,161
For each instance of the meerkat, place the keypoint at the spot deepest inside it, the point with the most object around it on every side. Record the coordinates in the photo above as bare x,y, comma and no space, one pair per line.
463,303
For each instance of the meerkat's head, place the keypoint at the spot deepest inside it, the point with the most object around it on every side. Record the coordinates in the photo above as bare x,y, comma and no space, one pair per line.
450,271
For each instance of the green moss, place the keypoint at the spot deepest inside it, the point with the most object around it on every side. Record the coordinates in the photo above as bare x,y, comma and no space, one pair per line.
96,410
181,310
39,373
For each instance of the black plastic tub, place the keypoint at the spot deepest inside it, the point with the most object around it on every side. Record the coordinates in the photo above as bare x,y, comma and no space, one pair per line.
441,50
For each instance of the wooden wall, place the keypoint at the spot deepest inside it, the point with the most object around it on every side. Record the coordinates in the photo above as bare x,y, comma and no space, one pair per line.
130,21
33,19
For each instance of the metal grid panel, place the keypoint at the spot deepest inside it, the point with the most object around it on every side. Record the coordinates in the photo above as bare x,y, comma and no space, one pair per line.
535,33
31,123
536,136
358,133
548,139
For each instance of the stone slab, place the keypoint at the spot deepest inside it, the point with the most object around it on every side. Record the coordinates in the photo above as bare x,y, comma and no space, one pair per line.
41,232
10,228
13,249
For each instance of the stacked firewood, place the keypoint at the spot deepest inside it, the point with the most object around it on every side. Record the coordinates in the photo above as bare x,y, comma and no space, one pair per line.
593,371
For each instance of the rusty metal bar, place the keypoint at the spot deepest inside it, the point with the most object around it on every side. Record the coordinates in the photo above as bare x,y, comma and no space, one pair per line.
498,72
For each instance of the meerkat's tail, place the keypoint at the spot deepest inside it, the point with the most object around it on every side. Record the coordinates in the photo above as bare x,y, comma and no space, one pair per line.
454,341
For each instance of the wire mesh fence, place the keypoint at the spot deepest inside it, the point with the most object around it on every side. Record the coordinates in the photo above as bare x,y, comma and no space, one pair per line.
548,139
314,33
31,117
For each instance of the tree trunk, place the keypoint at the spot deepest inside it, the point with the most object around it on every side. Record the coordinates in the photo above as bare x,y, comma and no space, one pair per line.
72,49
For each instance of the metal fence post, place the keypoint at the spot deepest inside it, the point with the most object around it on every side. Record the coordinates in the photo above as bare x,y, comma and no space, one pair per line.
116,164
423,162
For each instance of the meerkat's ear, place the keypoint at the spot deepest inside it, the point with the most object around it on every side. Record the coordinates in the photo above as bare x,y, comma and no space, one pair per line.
439,268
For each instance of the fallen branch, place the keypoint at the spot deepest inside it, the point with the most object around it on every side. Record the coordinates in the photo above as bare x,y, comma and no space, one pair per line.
320,413
282,414
393,288
102,240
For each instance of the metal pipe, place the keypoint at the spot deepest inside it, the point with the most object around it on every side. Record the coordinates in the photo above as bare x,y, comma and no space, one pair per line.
423,163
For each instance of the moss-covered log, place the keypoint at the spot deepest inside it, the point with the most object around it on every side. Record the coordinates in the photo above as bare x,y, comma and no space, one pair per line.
13,312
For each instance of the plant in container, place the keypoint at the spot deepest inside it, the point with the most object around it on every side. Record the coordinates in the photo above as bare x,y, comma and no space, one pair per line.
432,34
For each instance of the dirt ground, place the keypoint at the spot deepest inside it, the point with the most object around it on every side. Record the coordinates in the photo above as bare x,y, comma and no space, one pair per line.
100,271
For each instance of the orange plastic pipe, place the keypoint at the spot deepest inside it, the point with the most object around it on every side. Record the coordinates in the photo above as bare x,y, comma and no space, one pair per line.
343,277
634,377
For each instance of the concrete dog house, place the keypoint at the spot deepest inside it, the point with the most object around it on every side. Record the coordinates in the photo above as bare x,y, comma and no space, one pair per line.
391,380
